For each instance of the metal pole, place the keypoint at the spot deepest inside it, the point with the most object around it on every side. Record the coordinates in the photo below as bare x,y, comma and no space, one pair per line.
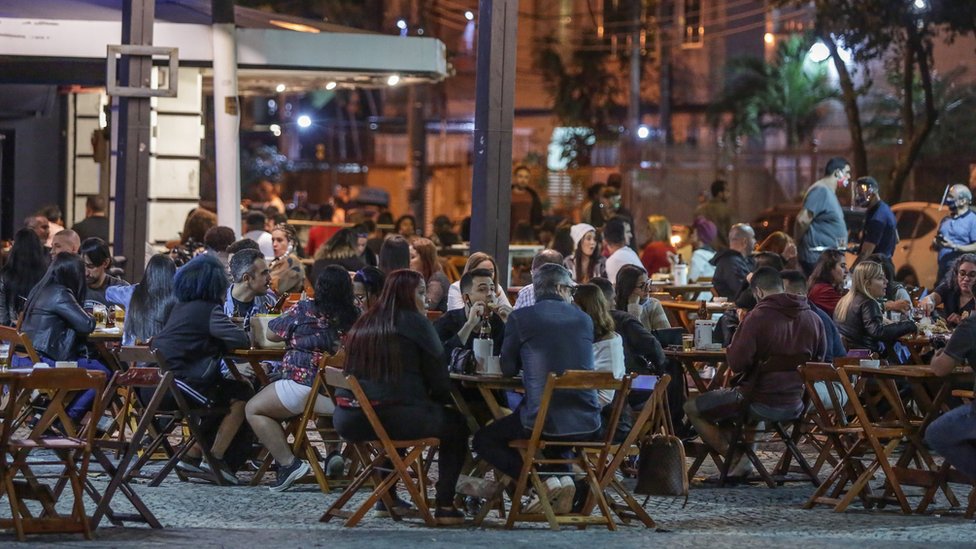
226,116
132,178
491,192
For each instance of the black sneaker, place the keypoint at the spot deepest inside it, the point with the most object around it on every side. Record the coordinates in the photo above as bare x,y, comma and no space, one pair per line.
286,476
223,470
400,507
189,465
448,516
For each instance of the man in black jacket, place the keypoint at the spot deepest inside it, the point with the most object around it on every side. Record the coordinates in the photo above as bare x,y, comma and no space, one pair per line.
458,328
734,264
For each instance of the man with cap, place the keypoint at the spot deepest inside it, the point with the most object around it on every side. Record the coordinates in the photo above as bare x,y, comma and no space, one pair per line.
957,232
880,233
586,261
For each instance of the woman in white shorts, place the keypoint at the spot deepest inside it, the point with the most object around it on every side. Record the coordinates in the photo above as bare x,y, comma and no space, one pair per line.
309,329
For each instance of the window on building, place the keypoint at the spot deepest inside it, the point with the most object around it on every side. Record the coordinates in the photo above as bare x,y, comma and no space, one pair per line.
691,21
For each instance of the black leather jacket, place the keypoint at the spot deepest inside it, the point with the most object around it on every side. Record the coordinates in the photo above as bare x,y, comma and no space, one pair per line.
57,325
864,326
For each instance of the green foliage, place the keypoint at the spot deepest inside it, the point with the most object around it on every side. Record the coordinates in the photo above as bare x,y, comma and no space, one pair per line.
786,93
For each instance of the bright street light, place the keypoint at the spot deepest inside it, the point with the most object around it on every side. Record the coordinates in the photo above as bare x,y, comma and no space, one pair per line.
280,88
401,24
469,15
331,86
304,121
275,129
643,132
393,80
819,52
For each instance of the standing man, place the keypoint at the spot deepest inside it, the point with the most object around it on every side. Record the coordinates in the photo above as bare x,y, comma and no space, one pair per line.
717,211
53,214
550,337
733,265
95,224
820,224
880,234
98,258
617,234
526,204
957,232
254,228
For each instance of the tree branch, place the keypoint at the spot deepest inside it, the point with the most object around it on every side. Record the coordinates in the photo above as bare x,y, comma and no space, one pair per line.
849,96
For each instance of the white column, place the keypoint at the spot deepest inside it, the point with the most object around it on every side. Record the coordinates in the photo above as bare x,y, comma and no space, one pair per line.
226,126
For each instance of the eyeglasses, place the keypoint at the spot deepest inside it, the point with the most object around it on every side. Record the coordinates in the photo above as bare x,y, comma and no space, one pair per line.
644,285
572,288
967,274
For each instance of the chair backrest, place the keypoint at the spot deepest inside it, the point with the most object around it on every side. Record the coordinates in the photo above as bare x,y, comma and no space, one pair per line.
338,379
19,343
582,380
822,379
63,385
777,378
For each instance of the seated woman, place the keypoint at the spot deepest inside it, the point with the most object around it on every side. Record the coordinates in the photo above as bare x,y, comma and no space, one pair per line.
659,254
397,357
608,347
340,250
860,319
783,245
896,297
703,234
25,266
287,271
585,262
631,291
148,303
58,326
310,329
477,260
423,259
955,293
367,284
192,343
827,281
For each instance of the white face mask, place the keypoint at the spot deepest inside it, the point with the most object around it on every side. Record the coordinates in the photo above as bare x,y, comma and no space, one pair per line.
847,282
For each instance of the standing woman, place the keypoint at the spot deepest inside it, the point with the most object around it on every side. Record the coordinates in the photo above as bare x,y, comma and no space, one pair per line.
423,259
477,260
396,355
148,303
631,293
608,346
25,266
310,329
827,281
585,262
287,271
57,324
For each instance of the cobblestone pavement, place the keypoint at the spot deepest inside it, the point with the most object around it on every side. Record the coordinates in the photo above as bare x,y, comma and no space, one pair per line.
754,516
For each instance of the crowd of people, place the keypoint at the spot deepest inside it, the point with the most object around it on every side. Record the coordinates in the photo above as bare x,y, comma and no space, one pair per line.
588,307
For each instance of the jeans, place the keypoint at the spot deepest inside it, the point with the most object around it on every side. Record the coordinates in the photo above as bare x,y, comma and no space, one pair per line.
491,445
954,437
83,402
414,421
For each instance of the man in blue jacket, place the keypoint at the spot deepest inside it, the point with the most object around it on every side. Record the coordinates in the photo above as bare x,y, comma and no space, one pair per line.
550,337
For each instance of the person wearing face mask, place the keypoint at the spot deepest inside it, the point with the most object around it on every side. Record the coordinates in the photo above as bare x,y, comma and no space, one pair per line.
957,232
880,234
820,224
860,318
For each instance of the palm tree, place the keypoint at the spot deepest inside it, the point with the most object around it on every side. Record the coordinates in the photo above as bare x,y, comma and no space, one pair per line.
785,94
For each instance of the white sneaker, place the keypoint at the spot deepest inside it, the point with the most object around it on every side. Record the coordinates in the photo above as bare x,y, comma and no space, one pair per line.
567,491
743,468
553,489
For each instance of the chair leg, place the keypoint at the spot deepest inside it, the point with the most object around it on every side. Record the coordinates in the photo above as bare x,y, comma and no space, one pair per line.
729,457
15,504
971,508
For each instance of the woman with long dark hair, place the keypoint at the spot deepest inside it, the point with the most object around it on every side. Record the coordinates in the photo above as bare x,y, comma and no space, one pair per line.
397,357
339,250
608,346
394,253
367,285
631,293
58,325
423,259
827,281
585,262
25,266
310,329
147,304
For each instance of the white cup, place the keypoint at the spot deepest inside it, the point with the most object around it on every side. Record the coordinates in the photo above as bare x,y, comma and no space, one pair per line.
493,365
65,364
870,363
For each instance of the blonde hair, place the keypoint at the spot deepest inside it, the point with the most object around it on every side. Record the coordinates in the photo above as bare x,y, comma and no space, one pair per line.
478,258
863,274
590,299
659,229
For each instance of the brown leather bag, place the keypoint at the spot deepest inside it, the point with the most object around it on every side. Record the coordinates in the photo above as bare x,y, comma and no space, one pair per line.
661,469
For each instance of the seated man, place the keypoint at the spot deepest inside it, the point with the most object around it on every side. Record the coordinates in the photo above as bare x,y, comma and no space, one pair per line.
65,241
526,296
734,264
780,324
98,258
249,294
954,434
550,337
460,327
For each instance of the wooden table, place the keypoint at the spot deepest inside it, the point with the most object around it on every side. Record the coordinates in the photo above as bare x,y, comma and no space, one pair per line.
929,393
688,292
683,309
690,359
104,340
254,357
486,386
920,344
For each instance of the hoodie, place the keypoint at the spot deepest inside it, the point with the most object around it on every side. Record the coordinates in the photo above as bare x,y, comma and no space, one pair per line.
781,324
731,268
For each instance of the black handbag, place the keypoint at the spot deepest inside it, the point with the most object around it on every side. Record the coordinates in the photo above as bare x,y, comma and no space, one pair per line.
462,361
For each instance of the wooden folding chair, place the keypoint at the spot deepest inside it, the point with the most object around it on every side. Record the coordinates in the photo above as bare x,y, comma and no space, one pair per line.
309,420
406,468
71,450
20,344
786,431
654,418
856,439
601,444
